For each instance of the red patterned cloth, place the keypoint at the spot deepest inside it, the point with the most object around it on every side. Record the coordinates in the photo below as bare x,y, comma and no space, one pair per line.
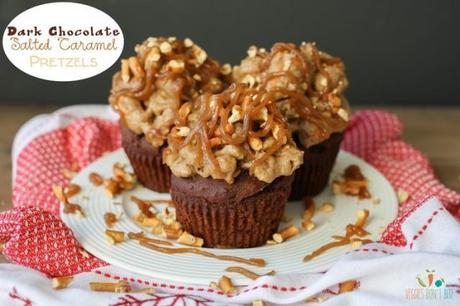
35,237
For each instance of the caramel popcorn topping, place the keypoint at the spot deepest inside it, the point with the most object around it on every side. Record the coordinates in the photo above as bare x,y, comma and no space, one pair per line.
308,85
224,134
152,85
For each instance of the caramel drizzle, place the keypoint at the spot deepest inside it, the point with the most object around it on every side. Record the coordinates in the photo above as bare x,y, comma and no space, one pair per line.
248,273
143,206
142,85
252,101
151,244
350,231
140,237
298,99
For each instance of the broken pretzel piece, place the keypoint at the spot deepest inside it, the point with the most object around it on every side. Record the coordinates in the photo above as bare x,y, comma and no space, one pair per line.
348,286
119,287
96,179
114,237
285,234
61,282
226,285
188,239
110,219
69,208
71,190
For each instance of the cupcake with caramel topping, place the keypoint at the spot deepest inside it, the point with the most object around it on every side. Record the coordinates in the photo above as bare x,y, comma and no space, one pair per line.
232,159
308,86
147,93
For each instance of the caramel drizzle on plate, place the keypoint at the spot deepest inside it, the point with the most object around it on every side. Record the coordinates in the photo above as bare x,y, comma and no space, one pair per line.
140,237
350,231
248,273
154,244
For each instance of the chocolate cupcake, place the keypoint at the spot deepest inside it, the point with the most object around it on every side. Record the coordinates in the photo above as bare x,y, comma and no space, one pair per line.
308,86
232,160
147,93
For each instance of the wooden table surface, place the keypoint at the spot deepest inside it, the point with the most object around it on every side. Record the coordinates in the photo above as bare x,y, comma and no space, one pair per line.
434,131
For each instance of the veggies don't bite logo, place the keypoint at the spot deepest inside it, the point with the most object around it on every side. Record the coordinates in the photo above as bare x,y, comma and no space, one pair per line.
430,286
63,41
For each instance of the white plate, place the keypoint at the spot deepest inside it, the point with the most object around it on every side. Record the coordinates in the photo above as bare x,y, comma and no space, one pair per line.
190,268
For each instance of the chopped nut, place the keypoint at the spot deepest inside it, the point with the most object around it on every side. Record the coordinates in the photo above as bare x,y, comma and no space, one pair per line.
255,143
176,66
225,284
188,239
119,287
72,190
403,196
199,54
252,51
250,80
165,47
183,131
197,77
96,179
153,56
286,233
188,42
114,237
262,115
226,69
258,303
271,242
110,218
61,282
326,207
236,114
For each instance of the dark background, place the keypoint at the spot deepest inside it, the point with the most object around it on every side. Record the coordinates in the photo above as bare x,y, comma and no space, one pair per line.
396,52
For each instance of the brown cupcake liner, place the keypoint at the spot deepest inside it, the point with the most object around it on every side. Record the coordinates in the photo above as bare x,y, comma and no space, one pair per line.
246,223
147,161
313,175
